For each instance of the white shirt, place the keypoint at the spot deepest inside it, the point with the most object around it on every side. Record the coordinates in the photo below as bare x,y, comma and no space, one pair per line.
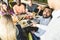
53,28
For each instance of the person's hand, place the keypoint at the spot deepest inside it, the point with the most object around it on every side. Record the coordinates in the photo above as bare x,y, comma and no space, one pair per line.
34,24
39,7
33,32
15,19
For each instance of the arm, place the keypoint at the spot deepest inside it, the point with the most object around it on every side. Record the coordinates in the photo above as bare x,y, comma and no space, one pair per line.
44,27
39,33
15,10
40,8
24,9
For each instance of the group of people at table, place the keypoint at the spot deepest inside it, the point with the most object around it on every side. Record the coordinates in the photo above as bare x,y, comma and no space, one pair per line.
35,13
27,12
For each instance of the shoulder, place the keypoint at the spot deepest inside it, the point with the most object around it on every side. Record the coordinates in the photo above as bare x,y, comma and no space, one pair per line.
40,18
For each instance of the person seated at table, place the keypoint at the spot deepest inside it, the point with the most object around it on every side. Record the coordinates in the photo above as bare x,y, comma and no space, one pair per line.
19,8
32,7
46,18
4,8
7,28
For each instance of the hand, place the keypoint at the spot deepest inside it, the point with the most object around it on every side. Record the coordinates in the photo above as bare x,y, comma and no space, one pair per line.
39,7
34,24
33,32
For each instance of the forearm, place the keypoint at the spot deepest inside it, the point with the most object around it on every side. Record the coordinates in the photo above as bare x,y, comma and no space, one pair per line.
15,10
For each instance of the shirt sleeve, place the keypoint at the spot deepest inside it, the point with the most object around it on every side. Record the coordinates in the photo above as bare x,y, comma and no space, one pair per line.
44,27
39,20
39,32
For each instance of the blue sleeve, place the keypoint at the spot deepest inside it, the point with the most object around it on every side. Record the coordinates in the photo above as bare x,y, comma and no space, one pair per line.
40,32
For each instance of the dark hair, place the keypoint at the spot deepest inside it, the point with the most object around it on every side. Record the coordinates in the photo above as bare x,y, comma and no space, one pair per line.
19,1
48,8
4,3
